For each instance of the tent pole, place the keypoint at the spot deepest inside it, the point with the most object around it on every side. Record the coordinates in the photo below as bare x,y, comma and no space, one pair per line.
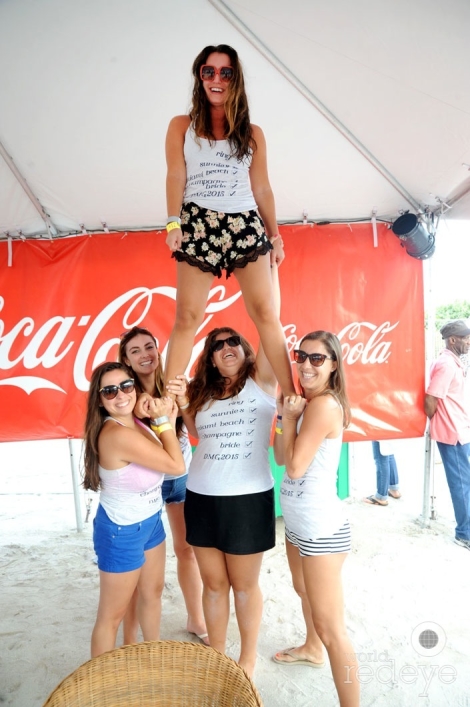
311,98
76,487
429,347
51,229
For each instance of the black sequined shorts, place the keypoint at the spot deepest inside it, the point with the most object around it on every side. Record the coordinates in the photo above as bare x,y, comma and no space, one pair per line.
215,241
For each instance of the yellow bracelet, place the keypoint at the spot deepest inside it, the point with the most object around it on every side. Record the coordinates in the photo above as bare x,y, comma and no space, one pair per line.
172,225
163,428
154,427
278,430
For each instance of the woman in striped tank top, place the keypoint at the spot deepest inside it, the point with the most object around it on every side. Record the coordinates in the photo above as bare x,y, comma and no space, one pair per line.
308,441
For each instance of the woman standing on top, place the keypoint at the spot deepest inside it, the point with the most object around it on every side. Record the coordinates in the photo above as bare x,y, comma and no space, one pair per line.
221,210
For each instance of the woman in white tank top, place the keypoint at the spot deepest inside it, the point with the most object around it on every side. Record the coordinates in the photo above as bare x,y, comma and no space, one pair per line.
221,213
308,442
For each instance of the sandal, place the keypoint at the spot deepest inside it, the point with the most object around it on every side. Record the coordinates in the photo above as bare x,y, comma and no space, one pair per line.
374,501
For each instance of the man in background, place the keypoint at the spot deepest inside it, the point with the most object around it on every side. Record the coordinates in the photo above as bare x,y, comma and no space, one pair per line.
446,404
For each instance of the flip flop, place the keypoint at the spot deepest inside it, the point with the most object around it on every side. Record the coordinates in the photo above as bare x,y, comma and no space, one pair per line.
295,660
201,636
374,502
390,493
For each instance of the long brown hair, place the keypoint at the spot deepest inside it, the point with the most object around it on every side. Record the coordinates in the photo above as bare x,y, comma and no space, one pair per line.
208,383
238,129
159,390
95,417
122,355
337,381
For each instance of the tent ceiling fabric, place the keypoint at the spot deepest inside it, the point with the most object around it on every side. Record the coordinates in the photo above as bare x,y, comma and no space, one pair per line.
89,88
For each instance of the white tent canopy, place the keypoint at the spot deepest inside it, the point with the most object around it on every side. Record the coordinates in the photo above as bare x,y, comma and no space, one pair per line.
364,103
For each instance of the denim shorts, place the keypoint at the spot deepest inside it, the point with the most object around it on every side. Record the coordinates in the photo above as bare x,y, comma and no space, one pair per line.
174,490
214,241
120,548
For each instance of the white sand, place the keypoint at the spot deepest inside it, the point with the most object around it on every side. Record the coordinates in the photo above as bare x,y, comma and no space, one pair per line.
398,577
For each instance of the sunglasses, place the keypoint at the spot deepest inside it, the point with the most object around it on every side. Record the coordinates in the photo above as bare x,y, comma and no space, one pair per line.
220,343
208,73
109,392
315,359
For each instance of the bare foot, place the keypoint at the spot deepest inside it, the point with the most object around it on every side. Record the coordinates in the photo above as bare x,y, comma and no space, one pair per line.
394,494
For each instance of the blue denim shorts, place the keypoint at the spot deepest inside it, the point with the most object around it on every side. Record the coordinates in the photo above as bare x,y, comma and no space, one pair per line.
174,490
120,548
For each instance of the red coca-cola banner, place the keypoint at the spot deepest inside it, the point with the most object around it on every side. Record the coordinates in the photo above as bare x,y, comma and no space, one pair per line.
64,304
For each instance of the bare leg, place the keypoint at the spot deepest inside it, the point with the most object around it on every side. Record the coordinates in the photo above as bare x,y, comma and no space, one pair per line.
189,577
130,622
215,594
256,286
322,576
116,590
193,286
244,572
312,648
150,588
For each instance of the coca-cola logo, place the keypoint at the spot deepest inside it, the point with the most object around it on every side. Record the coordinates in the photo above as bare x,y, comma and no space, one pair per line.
361,342
47,344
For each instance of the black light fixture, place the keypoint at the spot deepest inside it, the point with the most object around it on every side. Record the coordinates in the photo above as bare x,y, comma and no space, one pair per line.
415,238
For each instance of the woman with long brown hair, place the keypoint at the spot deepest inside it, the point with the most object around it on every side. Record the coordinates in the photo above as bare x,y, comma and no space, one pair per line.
308,441
126,461
221,213
139,351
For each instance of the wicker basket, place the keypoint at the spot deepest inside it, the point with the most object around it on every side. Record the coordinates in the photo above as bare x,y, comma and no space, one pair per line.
157,673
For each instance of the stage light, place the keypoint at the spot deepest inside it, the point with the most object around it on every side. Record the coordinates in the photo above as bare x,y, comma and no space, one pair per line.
415,238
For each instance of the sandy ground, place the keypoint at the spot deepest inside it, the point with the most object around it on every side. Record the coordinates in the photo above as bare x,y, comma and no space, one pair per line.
400,579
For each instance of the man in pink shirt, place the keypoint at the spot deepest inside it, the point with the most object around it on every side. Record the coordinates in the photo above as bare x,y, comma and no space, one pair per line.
447,406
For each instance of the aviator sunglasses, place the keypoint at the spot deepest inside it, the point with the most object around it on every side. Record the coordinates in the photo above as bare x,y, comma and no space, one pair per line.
109,392
316,359
208,73
220,343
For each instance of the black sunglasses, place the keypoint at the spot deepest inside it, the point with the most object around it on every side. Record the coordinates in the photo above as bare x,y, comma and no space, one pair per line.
315,359
109,392
220,343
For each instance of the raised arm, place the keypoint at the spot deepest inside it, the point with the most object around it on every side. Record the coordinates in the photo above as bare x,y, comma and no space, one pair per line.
179,388
323,418
119,445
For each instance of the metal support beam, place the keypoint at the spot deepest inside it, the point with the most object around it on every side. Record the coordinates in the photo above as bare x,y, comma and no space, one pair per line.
51,229
76,487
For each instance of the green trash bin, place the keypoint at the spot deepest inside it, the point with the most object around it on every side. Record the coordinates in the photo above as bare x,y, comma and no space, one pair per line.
342,483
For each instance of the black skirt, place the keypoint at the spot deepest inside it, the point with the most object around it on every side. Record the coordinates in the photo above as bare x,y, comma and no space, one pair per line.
236,525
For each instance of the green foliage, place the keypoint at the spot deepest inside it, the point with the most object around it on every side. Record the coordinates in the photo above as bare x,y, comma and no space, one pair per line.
456,310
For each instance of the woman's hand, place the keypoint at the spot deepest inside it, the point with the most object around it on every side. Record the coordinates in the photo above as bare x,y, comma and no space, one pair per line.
179,387
294,405
161,407
141,408
173,239
277,254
